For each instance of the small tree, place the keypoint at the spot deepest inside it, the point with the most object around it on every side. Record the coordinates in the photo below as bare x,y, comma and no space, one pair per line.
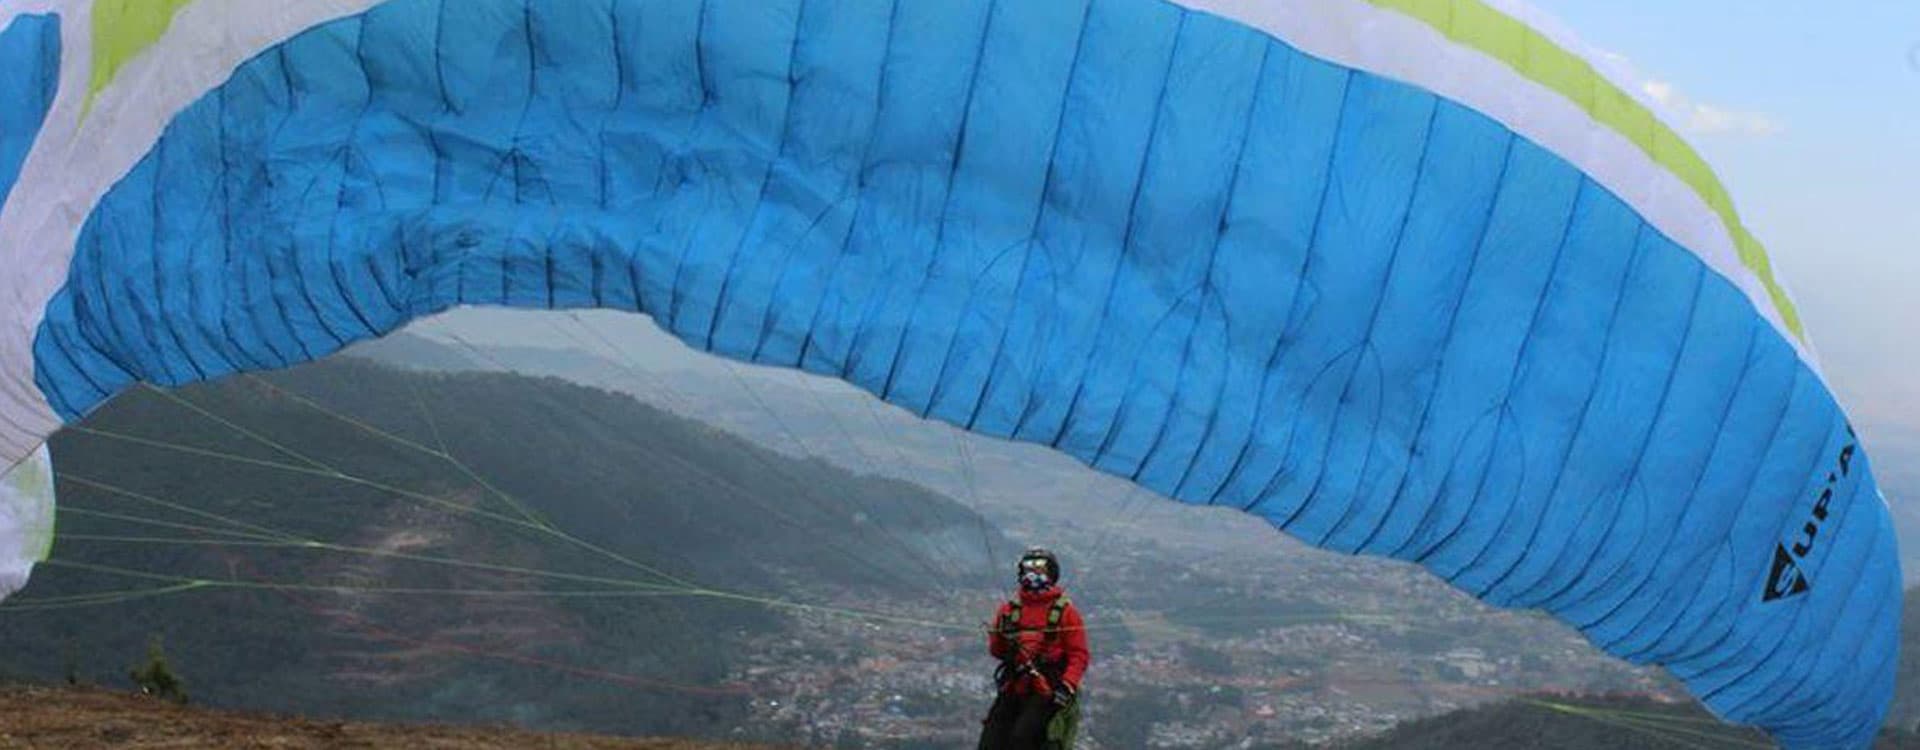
72,654
156,678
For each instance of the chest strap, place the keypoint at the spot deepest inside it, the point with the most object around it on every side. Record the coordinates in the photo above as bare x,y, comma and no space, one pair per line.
1010,623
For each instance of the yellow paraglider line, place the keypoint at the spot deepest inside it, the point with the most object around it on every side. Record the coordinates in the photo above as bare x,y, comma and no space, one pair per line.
324,474
1646,724
180,540
271,538
290,542
672,394
412,444
1648,716
441,453
426,414
626,363
973,494
956,580
947,570
97,599
362,481
229,424
344,549
1612,722
296,541
184,583
280,539
803,492
683,588
200,583
76,510
945,577
1128,511
251,528
893,441
1683,725
327,471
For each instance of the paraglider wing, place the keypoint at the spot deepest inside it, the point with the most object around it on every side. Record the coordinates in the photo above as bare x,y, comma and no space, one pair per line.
29,77
1405,279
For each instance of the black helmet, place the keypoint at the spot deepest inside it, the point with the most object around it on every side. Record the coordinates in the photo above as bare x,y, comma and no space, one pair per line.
1042,554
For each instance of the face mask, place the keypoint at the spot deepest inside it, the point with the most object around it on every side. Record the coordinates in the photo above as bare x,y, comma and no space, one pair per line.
1033,575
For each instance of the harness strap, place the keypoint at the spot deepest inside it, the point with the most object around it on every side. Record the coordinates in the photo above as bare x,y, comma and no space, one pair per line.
1010,622
1010,627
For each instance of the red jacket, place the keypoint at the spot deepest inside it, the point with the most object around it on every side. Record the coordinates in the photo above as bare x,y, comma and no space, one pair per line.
1063,655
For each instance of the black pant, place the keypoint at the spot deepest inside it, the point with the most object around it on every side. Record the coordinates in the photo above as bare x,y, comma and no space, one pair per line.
1017,722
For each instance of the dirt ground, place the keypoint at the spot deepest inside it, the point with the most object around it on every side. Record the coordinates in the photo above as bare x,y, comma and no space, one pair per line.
63,718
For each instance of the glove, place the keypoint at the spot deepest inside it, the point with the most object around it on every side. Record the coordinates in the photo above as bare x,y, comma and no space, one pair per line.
1063,694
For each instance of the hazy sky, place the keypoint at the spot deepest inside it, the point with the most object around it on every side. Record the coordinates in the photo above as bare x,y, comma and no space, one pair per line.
1810,112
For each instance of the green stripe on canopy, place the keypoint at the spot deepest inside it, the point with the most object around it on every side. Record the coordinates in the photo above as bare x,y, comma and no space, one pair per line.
1475,24
122,29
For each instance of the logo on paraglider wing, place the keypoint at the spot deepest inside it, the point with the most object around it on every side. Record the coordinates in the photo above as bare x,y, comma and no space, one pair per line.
1785,580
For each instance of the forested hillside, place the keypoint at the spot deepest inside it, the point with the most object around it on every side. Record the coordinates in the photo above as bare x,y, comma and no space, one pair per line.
345,539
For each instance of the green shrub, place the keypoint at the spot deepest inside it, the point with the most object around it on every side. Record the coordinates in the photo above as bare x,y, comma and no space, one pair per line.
157,678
